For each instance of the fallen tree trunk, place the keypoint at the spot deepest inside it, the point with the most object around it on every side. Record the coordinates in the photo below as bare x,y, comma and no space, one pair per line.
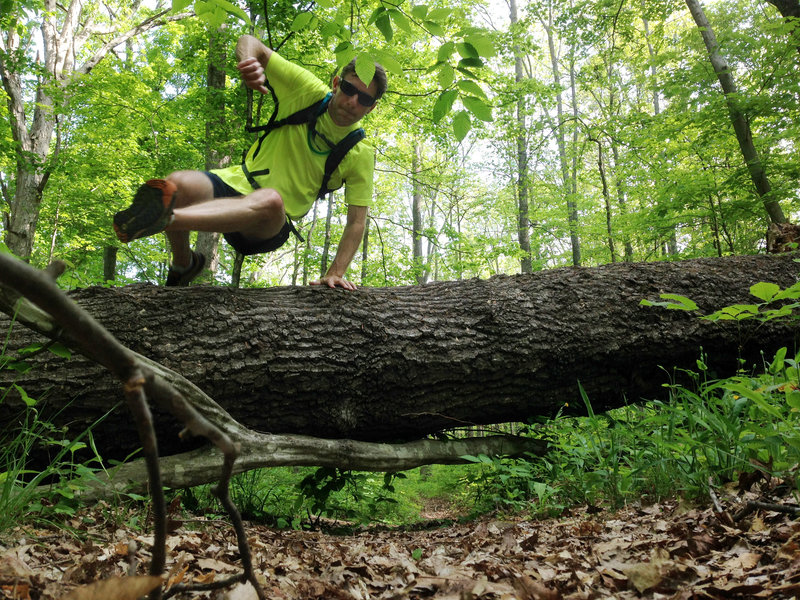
396,364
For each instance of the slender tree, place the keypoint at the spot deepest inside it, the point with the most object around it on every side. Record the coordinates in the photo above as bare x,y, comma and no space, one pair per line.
217,152
568,184
739,118
416,215
523,211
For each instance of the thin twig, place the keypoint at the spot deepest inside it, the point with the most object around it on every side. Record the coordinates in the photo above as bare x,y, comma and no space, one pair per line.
713,494
755,505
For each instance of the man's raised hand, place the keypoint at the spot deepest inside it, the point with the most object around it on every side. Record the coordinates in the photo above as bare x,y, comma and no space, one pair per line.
253,74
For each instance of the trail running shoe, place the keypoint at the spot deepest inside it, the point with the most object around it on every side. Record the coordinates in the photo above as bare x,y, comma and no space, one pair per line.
182,279
149,213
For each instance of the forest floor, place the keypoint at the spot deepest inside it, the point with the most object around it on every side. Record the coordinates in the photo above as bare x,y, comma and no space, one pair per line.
666,550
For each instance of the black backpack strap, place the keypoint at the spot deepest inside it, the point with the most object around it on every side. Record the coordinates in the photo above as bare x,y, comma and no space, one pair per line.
269,125
336,156
304,115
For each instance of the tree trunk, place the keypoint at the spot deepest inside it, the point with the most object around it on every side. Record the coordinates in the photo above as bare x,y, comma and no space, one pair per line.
394,364
217,151
604,183
365,253
740,121
523,216
672,239
326,246
109,263
309,235
418,257
561,140
572,195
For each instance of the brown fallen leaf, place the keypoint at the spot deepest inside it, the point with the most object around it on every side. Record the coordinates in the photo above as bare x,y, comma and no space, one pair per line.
647,575
119,588
242,591
530,589
17,591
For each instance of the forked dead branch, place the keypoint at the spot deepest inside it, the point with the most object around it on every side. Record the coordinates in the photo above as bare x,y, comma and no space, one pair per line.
141,384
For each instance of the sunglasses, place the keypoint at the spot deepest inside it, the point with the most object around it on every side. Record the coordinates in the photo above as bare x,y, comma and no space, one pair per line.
349,89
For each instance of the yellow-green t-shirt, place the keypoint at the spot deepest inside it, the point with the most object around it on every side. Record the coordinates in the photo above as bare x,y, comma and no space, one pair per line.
295,170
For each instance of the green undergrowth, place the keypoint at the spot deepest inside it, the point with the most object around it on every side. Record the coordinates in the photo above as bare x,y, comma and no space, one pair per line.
30,493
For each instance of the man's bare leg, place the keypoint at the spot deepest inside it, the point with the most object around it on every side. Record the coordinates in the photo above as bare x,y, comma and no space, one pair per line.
259,215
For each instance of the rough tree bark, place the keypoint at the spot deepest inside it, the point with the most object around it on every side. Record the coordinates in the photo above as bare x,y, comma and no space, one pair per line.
395,364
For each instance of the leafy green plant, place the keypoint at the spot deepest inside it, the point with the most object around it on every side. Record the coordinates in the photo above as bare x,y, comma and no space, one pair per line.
776,303
351,495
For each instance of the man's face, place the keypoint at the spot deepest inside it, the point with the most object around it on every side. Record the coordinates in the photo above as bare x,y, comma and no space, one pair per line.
347,104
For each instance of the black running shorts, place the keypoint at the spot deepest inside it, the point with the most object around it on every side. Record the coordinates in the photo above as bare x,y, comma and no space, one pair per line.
237,241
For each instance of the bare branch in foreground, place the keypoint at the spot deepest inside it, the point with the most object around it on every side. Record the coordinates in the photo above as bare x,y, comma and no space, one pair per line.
140,383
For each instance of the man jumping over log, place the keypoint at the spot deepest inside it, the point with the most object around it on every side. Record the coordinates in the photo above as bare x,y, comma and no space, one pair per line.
309,147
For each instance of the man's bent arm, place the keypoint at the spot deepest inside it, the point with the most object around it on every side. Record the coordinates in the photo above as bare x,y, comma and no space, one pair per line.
348,246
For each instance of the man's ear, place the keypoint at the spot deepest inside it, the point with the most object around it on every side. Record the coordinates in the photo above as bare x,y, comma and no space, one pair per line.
335,83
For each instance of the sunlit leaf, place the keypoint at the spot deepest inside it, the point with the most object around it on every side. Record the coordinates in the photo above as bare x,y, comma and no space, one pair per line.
440,14
389,62
470,87
342,47
467,50
210,12
434,28
446,76
400,20
365,67
345,54
765,291
471,62
482,44
443,105
461,124
478,108
375,14
420,11
60,349
231,8
384,25
675,302
25,397
446,51
301,21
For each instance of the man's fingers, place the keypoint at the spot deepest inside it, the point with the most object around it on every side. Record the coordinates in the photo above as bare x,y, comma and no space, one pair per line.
334,282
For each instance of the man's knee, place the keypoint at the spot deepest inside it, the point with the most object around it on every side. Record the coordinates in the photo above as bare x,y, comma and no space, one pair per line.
193,186
267,204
